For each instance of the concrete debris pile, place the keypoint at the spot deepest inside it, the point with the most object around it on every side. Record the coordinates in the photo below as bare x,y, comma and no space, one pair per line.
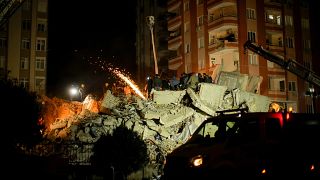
164,123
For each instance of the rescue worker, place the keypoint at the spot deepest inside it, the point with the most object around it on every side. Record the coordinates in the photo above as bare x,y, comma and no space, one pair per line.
193,81
157,82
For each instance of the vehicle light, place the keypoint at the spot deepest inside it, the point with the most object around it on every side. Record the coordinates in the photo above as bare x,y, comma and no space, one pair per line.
197,161
288,116
312,167
263,171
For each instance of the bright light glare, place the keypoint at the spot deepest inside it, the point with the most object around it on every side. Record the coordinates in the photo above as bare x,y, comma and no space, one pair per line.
73,91
264,171
312,167
197,161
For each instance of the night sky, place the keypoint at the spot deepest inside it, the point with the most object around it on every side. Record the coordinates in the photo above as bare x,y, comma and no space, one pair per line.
79,30
83,31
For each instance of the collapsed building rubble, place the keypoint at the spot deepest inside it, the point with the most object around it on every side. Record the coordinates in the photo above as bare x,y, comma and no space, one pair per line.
164,123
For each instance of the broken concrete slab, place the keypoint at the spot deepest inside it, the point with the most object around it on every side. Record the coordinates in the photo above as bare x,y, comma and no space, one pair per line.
212,94
110,101
233,80
176,115
255,102
196,101
167,97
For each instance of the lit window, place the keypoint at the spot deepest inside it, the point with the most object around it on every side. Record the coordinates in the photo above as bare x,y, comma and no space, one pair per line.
253,59
276,83
270,16
288,20
251,13
278,20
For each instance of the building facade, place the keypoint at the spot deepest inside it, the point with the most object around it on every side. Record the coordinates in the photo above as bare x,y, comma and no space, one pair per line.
207,36
144,50
23,45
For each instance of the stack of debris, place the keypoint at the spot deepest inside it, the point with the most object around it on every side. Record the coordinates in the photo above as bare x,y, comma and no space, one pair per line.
165,122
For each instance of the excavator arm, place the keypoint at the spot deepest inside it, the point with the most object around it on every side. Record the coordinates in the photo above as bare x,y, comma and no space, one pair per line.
7,9
291,66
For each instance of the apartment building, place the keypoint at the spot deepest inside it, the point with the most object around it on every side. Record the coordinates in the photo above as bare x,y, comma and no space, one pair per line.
23,44
207,36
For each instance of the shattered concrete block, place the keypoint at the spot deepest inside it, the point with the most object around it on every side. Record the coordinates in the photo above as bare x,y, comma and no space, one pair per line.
233,80
109,121
228,102
197,120
164,132
148,133
254,83
176,116
110,101
183,136
90,104
255,102
196,101
211,94
138,127
168,97
129,124
156,111
86,137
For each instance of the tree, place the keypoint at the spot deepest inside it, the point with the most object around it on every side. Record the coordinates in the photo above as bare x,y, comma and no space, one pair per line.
20,112
123,151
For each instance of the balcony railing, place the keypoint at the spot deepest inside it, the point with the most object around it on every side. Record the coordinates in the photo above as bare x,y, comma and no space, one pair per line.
223,15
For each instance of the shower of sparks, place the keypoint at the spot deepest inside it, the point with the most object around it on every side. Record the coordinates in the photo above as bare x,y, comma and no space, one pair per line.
116,71
129,82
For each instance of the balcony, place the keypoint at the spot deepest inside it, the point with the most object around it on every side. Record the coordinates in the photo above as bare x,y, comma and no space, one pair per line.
214,4
273,20
175,62
173,5
174,42
275,48
174,23
222,45
222,19
273,3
